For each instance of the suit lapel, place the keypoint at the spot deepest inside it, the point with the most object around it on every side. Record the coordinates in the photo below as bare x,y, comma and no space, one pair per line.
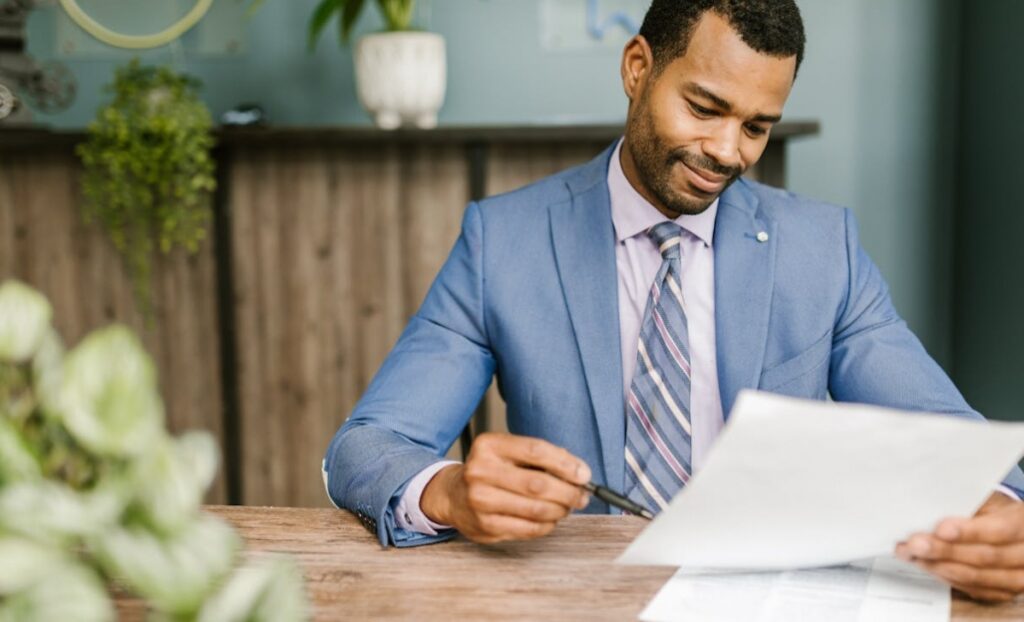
744,277
584,241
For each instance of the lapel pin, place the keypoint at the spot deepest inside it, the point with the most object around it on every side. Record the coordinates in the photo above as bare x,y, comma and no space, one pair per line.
762,236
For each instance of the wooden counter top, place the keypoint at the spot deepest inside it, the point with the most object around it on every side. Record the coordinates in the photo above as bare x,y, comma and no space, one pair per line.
568,575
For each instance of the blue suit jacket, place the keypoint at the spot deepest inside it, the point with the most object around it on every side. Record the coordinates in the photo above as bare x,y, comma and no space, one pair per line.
529,293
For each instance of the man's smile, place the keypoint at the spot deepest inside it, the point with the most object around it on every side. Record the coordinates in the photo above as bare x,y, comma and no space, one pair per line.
705,181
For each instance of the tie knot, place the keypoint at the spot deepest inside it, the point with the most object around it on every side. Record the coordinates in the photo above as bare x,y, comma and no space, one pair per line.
666,237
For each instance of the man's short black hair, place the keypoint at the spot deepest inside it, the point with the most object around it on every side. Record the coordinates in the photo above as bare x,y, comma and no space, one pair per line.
771,27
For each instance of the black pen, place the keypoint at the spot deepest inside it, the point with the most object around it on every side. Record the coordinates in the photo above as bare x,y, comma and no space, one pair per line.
620,501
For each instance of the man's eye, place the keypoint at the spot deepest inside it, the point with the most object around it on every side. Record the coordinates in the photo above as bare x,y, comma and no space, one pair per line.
701,111
756,130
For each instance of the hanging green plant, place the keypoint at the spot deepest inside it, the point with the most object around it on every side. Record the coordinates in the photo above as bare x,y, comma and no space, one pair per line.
148,172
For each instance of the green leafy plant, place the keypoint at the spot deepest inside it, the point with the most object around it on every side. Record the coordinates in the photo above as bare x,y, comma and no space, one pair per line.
397,16
148,172
94,492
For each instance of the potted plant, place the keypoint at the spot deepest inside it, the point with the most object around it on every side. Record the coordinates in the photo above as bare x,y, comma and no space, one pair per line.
148,172
400,73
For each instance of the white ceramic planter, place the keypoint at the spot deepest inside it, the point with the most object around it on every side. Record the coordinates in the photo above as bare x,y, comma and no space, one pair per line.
401,77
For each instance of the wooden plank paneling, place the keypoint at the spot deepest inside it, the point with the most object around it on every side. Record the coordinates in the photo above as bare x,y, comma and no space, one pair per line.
434,193
263,229
334,250
511,166
45,243
357,234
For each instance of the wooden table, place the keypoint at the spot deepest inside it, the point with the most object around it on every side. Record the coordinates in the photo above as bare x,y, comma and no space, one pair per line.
568,575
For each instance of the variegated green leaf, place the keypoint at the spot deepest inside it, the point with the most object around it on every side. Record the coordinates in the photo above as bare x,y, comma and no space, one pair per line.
175,574
108,396
270,590
24,320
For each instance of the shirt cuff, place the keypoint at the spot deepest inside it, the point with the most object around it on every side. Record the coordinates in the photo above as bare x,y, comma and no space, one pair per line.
408,514
1006,490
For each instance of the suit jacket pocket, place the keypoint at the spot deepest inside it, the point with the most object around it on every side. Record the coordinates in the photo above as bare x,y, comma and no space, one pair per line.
803,375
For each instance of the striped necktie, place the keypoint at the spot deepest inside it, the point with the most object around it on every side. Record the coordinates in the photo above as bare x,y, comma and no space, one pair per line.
658,405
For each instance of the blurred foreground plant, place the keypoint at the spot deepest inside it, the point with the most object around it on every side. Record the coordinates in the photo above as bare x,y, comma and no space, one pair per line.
94,492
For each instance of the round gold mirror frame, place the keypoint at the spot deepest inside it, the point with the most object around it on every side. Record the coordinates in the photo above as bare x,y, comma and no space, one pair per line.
135,42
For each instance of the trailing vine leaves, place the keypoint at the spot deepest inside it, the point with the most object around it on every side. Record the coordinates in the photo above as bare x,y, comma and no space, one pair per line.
148,173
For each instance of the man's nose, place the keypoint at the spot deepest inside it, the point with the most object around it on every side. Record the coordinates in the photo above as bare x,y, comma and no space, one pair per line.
723,145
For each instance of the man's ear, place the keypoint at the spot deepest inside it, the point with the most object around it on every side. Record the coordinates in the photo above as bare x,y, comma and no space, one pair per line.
637,66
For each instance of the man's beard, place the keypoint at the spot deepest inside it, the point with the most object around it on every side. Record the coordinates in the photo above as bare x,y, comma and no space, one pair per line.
655,162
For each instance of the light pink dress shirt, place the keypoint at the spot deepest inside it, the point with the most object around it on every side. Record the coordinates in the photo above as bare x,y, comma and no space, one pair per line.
638,260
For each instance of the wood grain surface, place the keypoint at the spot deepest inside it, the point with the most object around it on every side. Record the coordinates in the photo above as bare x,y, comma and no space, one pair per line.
333,249
569,575
45,242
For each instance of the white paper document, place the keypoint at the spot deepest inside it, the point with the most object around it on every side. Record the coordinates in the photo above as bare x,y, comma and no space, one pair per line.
797,483
884,590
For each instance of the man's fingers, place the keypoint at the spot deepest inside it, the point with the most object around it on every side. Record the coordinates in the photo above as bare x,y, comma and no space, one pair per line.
490,500
1004,526
536,453
981,556
499,528
536,485
517,488
928,547
525,482
965,577
991,596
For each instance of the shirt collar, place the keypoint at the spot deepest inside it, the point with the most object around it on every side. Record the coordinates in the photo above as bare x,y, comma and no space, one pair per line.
632,214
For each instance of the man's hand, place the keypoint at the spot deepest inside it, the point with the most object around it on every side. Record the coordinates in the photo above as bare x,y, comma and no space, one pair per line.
510,488
982,557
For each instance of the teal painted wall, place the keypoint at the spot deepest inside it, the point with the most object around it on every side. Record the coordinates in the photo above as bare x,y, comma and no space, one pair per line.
989,332
880,75
502,68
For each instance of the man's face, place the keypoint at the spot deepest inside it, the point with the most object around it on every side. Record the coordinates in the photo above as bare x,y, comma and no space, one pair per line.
704,119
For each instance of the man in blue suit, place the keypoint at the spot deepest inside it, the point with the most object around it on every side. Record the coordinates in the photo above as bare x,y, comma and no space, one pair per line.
624,303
